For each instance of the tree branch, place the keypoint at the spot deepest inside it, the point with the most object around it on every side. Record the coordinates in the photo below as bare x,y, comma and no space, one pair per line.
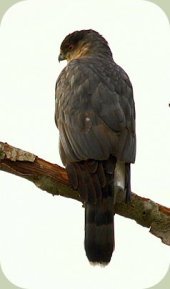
54,180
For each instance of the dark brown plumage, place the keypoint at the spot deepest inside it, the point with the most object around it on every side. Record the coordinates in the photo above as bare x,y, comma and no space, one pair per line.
95,115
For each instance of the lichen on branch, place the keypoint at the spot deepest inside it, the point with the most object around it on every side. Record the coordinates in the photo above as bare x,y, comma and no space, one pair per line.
54,180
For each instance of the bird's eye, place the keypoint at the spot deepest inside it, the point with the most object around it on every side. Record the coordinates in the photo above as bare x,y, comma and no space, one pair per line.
70,47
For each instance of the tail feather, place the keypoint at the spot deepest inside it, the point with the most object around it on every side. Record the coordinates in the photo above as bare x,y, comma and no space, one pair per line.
94,180
99,231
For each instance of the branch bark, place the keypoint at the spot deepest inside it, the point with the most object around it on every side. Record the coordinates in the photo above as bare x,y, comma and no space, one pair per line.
54,180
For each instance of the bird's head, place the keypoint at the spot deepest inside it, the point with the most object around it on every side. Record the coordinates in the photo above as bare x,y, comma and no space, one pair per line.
83,43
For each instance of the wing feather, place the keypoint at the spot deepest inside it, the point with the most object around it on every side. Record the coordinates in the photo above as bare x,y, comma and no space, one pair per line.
95,111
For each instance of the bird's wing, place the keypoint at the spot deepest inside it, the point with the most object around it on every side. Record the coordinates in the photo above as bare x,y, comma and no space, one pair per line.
95,112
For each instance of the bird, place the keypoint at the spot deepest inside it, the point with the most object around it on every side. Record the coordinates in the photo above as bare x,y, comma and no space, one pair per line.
95,116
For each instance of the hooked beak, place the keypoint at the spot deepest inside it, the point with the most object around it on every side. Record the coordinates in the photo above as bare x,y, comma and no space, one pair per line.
61,57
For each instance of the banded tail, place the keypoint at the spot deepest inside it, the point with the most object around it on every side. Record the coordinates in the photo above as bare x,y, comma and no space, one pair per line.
95,183
99,231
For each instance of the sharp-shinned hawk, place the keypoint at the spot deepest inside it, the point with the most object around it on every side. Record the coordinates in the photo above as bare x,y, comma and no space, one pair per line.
95,115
